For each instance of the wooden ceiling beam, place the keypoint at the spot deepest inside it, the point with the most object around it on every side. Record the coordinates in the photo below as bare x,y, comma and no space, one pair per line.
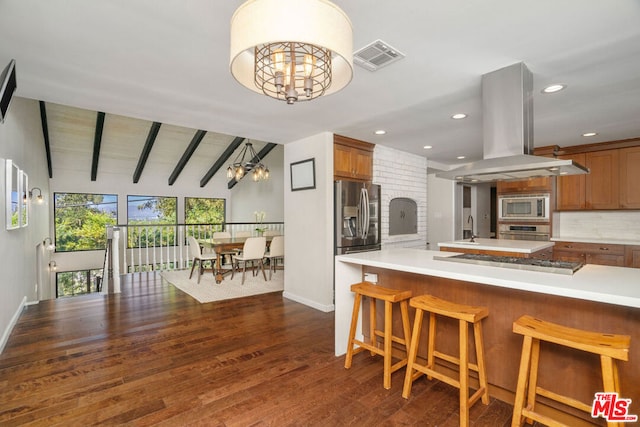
148,145
195,141
228,152
45,134
97,140
260,156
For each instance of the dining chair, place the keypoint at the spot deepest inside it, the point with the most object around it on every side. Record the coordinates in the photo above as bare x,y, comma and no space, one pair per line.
241,234
276,252
253,250
199,258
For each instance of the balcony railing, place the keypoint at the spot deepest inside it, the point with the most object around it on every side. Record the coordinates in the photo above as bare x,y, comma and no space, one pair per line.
145,248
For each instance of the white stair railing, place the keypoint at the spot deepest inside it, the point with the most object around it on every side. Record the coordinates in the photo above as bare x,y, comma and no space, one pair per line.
147,248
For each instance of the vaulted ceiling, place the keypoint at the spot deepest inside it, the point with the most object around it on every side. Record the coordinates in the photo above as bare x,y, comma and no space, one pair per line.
111,144
167,62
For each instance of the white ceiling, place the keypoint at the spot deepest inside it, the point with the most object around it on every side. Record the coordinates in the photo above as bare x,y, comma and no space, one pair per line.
167,61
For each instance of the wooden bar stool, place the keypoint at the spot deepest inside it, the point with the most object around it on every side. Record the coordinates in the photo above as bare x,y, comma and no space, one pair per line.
608,346
466,315
389,296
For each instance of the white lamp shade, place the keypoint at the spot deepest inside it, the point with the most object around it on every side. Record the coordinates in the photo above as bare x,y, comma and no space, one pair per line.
317,22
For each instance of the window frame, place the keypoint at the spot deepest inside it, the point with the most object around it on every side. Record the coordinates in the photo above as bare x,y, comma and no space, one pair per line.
55,228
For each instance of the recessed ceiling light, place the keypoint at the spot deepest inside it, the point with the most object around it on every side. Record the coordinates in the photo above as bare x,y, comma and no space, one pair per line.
553,88
460,157
380,132
588,134
427,147
458,116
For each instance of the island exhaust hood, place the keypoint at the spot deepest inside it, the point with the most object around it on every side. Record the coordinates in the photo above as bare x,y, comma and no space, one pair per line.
507,121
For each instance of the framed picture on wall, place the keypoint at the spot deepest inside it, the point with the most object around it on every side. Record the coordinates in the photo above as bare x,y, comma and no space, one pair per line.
12,191
24,199
303,175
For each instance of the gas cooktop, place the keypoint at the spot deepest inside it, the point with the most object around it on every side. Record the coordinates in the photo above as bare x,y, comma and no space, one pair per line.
547,266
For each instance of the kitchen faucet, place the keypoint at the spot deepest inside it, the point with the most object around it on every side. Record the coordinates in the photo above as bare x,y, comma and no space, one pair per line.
473,236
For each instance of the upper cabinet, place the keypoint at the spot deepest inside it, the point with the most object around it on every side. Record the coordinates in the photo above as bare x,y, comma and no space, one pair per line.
602,182
570,190
532,185
352,159
629,160
610,184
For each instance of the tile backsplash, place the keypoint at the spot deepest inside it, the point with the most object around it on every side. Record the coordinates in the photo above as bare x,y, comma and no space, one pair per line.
404,175
614,225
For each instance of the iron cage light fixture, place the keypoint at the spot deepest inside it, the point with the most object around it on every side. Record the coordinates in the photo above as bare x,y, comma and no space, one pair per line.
283,48
240,166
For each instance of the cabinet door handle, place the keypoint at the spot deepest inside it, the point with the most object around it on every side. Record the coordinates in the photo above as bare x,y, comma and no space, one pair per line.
604,249
568,246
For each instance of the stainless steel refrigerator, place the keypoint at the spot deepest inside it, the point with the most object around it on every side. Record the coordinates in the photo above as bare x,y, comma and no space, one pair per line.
357,217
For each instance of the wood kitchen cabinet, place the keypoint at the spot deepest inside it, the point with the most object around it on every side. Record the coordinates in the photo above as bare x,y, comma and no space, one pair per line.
612,182
570,190
540,184
590,253
632,256
602,183
352,159
629,160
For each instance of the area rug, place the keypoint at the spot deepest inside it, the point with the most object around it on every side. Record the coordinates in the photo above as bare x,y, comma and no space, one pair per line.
208,290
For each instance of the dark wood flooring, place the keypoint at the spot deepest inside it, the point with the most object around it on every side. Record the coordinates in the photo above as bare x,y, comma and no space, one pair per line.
154,356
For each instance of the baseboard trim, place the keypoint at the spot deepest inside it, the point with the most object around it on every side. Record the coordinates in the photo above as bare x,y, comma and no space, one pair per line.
12,323
308,302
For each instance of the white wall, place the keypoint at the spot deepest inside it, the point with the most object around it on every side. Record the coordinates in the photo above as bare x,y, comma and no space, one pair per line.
308,217
441,217
21,141
401,174
248,196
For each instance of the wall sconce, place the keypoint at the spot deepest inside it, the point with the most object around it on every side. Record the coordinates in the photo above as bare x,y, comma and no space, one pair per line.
50,246
53,266
39,198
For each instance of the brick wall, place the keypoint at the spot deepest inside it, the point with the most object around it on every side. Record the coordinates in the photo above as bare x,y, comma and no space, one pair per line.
401,174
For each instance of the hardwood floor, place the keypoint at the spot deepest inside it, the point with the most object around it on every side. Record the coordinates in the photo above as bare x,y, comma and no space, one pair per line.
154,356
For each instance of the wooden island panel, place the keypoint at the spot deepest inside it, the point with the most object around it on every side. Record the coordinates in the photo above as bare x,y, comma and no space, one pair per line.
568,372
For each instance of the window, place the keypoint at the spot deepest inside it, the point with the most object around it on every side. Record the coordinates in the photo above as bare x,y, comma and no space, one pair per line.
151,221
70,283
200,213
81,220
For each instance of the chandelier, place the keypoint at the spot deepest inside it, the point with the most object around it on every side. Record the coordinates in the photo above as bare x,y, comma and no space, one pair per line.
240,167
291,50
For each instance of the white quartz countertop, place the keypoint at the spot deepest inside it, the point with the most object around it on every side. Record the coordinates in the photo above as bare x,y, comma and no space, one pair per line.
505,245
612,285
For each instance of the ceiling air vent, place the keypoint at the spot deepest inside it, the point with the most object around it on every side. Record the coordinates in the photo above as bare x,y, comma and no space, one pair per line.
376,55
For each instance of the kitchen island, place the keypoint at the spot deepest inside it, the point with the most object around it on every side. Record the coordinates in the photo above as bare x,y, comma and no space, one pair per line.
598,298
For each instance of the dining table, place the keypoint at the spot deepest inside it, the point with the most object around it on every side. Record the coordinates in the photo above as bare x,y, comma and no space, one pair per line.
220,245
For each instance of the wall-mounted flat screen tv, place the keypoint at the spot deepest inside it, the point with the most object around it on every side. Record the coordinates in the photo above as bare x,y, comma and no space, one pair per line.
8,82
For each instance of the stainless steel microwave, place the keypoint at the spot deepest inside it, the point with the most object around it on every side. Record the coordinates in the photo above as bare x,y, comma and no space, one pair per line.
530,207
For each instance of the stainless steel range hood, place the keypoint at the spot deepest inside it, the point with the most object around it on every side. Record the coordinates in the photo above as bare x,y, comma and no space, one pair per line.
507,119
